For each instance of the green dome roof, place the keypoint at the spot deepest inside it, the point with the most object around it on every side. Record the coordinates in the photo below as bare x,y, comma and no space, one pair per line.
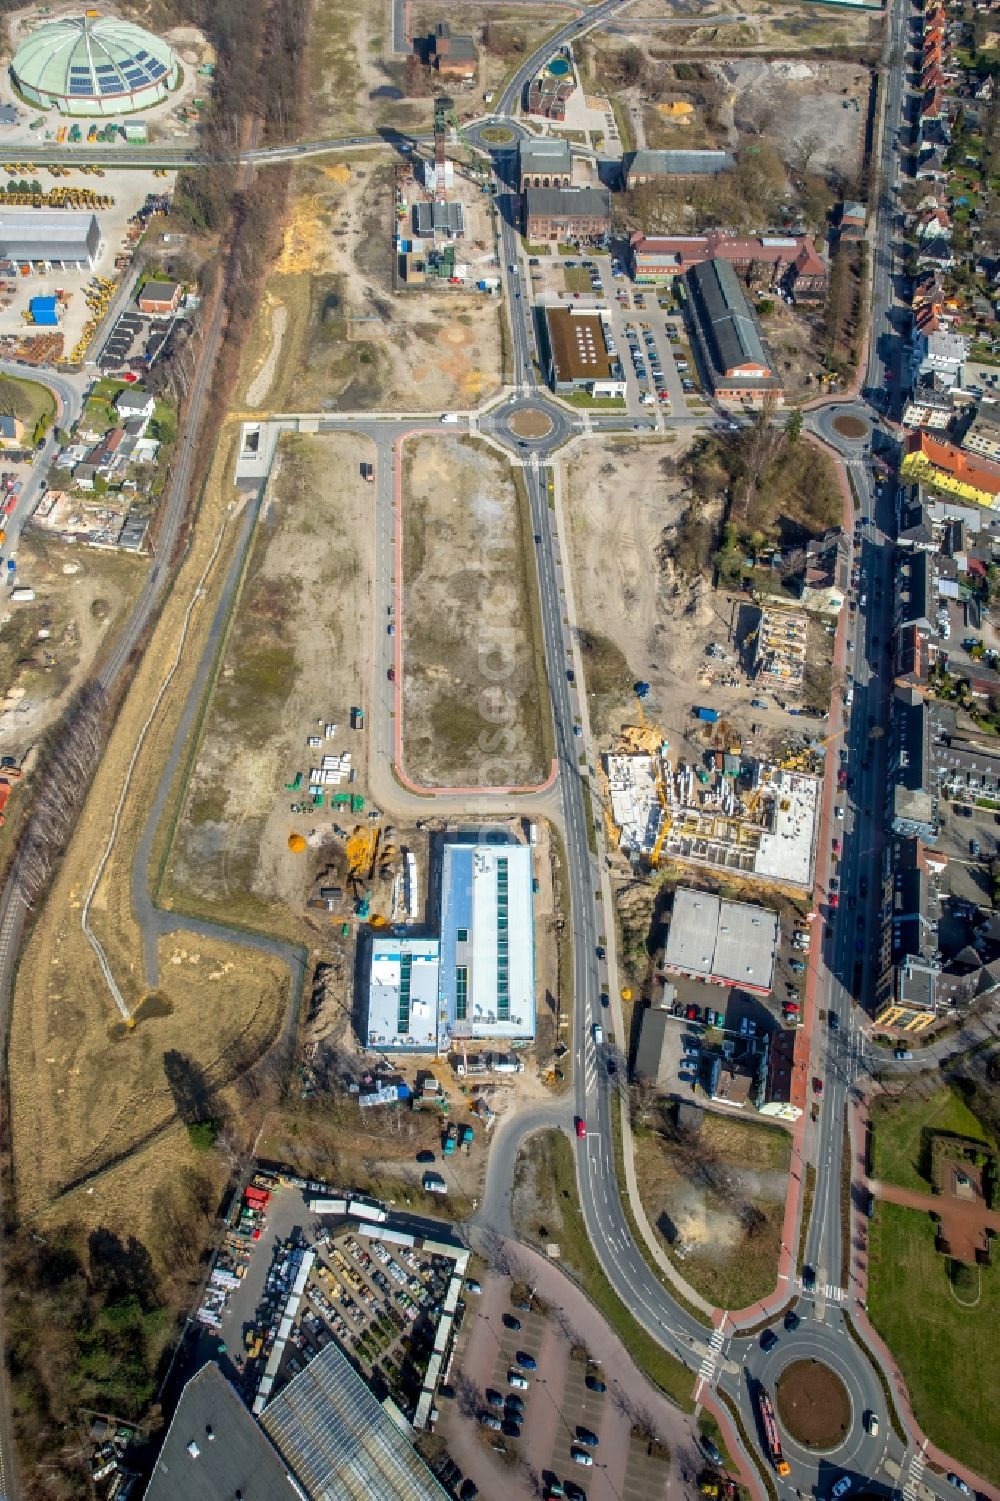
93,57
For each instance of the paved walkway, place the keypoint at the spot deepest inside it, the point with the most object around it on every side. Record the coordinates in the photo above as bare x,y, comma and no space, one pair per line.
963,1225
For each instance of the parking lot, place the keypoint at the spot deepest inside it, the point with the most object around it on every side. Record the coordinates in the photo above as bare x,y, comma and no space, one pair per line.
134,339
539,1402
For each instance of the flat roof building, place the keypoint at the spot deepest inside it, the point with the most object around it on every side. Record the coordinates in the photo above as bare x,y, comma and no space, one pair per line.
914,783
544,162
738,364
64,239
726,943
403,994
576,352
214,1450
487,980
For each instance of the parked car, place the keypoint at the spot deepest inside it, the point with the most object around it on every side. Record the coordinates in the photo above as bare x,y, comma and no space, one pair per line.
710,1450
525,1361
516,1380
586,1436
510,1322
582,1457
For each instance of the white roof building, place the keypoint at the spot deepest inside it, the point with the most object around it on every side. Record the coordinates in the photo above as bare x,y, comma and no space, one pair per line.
403,994
487,974
728,943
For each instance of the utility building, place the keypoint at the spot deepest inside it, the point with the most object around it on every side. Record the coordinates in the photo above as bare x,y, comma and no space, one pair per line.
544,162
727,943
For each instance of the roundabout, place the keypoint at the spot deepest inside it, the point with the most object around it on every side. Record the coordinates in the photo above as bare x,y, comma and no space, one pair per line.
813,1404
848,425
531,422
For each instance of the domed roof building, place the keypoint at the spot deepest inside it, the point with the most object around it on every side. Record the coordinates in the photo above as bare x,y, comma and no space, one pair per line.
93,65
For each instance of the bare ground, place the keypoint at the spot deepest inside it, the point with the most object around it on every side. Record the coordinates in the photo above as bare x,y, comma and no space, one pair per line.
335,335
475,695
299,652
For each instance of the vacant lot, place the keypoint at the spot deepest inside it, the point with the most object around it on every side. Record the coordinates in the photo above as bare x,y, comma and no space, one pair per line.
298,652
333,335
475,694
717,1200
510,34
901,1128
354,81
48,645
936,1340
546,1208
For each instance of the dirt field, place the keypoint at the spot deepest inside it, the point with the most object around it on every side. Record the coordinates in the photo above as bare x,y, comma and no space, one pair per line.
298,652
475,695
813,1404
657,623
80,1092
717,1200
334,335
47,646
765,25
354,81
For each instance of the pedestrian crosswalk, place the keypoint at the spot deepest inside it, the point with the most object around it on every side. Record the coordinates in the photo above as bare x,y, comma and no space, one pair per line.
914,1475
831,1294
710,1363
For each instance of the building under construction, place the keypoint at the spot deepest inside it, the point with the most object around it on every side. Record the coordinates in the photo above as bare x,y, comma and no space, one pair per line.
729,811
779,659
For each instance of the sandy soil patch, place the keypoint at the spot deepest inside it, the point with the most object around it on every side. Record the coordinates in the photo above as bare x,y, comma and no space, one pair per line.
475,698
261,383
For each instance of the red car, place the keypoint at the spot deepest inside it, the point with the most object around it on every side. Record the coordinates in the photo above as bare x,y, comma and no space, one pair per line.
834,902
791,1008
392,674
692,1013
581,1127
817,1086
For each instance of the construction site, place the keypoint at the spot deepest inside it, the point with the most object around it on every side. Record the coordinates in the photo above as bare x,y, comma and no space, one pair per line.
726,809
443,213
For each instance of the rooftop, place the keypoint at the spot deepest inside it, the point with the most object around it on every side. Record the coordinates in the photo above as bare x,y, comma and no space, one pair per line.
579,350
732,333
487,977
731,942
214,1450
556,203
403,993
545,154
339,1441
680,163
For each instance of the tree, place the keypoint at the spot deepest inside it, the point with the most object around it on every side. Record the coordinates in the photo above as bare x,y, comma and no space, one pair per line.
793,427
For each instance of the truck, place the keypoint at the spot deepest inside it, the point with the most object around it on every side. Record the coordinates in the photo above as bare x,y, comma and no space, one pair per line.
709,716
449,416
434,1184
368,473
771,1432
467,1137
450,1140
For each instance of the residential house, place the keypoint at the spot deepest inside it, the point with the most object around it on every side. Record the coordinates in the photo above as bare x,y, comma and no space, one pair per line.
132,403
851,220
914,525
940,355
827,573
945,466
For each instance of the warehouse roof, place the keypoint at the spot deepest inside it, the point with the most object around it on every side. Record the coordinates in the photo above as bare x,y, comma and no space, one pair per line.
557,203
340,1442
33,234
732,942
487,983
403,993
214,1450
726,314
579,349
680,163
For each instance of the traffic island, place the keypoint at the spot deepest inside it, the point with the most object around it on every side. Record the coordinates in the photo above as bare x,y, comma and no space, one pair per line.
813,1404
530,422
852,428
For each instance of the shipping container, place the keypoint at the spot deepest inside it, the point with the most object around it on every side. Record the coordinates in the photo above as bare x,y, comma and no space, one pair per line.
709,716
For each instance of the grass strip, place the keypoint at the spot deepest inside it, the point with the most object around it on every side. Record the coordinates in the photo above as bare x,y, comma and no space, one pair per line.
808,1194
546,729
890,1402
557,1175
588,813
